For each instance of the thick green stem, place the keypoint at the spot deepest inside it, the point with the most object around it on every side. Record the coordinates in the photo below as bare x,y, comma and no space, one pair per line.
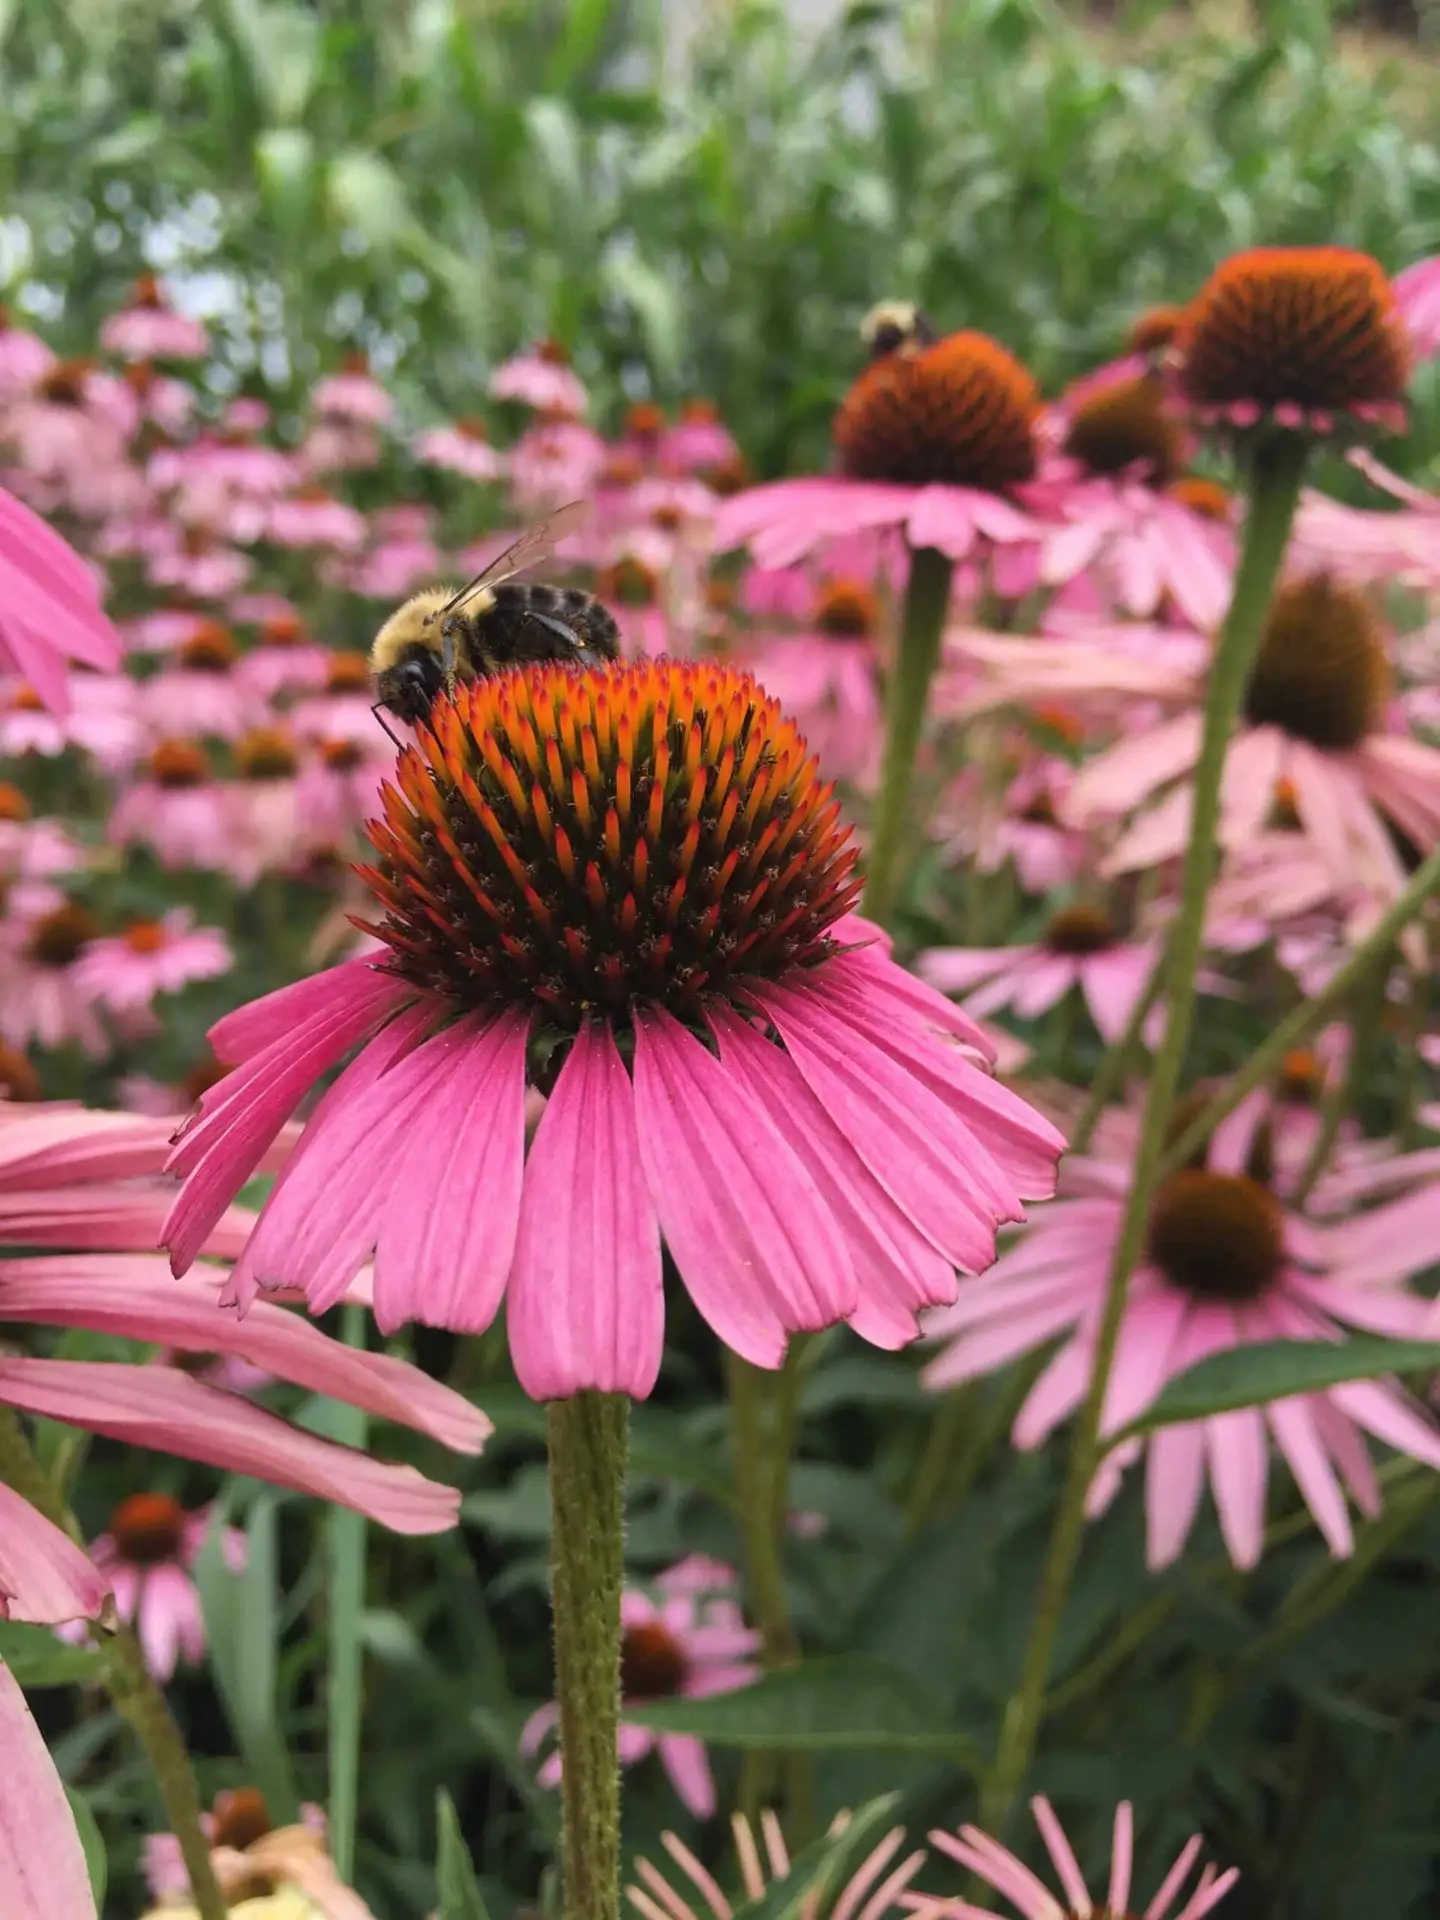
927,599
345,1542
1366,1013
589,1438
128,1681
1297,1027
1275,476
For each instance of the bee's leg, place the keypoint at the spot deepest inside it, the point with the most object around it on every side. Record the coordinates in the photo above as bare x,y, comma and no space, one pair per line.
447,653
378,709
558,626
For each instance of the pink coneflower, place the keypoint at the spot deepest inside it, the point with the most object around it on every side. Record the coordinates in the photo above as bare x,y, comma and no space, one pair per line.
344,708
1316,716
1417,294
313,518
164,629
699,441
125,971
33,849
150,329
403,557
688,1642
1027,832
42,995
541,379
636,857
929,444
461,448
199,693
253,1858
762,1860
43,1874
632,592
49,606
826,677
552,462
338,446
287,659
353,394
1081,948
146,1558
176,808
24,358
1227,1263
262,805
340,787
200,566
1013,1880
99,717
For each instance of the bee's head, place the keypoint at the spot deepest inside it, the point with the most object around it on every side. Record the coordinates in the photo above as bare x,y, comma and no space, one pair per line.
410,687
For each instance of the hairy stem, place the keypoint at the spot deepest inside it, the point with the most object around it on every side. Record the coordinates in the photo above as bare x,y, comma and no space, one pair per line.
589,1439
1278,464
137,1697
927,599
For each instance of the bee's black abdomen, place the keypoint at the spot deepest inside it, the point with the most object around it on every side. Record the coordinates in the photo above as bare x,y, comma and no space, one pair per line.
510,632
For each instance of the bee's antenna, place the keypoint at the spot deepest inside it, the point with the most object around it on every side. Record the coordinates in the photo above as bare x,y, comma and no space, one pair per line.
378,709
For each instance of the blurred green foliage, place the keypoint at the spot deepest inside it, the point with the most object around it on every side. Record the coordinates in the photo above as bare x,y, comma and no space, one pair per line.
700,200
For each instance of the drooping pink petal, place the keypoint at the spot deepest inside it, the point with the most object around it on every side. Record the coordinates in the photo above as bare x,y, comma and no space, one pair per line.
1292,1423
587,1300
1061,1855
683,1758
1174,1482
156,1407
44,1576
1120,779
755,1243
1238,1473
167,1618
451,1207
134,1295
42,1864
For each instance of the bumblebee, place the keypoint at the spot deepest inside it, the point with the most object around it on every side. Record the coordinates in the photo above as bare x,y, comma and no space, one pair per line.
895,326
496,621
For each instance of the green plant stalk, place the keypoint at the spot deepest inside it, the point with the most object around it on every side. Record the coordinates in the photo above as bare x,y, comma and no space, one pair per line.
135,1694
1365,1017
1298,1026
1277,467
345,1543
922,625
588,1438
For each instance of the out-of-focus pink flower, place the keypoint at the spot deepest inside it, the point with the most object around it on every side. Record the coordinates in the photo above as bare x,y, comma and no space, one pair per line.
1012,1879
24,358
688,1641
402,557
866,1894
1226,1263
146,1558
314,518
1417,293
49,607
200,566
247,1850
838,1213
33,849
287,660
825,676
150,328
1149,550
125,971
43,1875
344,709
461,448
353,394
199,693
543,380
339,787
160,401
1081,948
262,807
552,462
100,718
338,446
176,808
42,995
698,442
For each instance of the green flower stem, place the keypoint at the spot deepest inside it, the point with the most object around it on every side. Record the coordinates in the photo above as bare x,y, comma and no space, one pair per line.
345,1551
1297,1027
1366,1012
589,1439
1277,467
136,1696
927,600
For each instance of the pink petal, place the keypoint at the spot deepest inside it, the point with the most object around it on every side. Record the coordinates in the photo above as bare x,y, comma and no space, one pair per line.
1293,1425
1238,1469
1129,773
751,1236
167,1596
42,1864
683,1758
44,1576
587,1300
155,1407
1061,1855
1174,1482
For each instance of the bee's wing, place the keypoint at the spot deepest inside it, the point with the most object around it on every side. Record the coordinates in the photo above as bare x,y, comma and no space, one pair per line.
533,546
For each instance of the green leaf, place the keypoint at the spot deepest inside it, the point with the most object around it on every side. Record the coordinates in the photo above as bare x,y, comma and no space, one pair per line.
631,279
1274,1370
366,193
92,1845
824,1868
243,1629
38,1659
834,1703
459,1890
285,167
281,49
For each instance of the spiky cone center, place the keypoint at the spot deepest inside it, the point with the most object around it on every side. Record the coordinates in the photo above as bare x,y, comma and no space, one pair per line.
628,583
1125,425
848,609
282,630
211,649
1039,812
553,352
239,1817
1155,329
265,753
147,293
1301,334
653,1664
1202,496
14,807
64,385
699,413
145,936
1216,1236
644,421
347,672
179,763
342,756
1322,674
58,939
649,833
728,476
25,699
18,1079
1301,1079
148,1528
1285,807
1080,930
960,413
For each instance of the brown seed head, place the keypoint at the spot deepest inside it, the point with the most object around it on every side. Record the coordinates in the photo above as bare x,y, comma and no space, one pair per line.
1216,1236
1322,673
148,1528
961,413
